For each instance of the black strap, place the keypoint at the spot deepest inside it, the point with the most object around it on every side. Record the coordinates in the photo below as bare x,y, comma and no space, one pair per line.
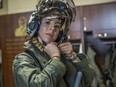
34,57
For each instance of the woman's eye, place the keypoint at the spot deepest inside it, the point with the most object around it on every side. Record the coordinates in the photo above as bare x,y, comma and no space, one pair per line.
47,22
57,26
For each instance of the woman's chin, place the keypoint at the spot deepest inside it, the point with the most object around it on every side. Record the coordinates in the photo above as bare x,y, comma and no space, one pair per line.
48,41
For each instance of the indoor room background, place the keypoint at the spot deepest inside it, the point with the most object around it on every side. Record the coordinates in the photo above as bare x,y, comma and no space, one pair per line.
93,32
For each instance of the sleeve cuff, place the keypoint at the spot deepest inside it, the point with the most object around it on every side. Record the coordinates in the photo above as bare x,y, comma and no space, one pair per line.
83,63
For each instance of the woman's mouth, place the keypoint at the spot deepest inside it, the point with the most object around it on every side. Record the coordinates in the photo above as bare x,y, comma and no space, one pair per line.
50,35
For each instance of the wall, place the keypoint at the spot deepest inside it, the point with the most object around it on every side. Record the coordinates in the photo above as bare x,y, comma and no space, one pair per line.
21,6
18,6
87,2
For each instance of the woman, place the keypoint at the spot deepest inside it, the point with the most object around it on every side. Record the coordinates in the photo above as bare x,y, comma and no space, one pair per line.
49,60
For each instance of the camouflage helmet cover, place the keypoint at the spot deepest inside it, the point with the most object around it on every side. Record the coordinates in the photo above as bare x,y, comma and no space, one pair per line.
64,9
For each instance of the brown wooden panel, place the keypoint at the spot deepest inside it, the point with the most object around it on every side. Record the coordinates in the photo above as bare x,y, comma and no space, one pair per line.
101,16
75,35
75,28
11,44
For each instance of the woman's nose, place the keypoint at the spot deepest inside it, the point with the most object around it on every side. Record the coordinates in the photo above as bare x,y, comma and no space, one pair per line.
51,27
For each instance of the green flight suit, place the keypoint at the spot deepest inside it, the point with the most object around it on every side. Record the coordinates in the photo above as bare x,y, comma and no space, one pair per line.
54,73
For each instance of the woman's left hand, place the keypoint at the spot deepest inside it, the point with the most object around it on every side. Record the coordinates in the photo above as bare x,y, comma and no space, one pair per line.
66,48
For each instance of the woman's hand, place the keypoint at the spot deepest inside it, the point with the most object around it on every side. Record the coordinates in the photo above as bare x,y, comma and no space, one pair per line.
66,48
52,50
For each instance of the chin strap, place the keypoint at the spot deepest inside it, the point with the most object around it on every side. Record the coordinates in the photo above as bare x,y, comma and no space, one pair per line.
40,40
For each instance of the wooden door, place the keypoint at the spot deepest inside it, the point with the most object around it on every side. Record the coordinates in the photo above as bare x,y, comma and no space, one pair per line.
11,43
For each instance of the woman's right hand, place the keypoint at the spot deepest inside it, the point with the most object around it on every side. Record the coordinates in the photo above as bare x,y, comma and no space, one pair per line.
52,50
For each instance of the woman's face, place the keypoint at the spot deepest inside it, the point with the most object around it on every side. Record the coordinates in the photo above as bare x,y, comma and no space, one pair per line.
49,29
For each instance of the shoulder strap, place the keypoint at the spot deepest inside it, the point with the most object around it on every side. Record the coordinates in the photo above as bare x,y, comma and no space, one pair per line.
34,57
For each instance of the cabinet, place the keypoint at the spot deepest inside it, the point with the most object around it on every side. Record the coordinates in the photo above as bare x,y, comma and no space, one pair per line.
75,28
105,33
101,19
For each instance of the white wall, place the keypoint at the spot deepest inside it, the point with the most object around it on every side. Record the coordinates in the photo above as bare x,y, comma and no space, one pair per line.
18,6
87,2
